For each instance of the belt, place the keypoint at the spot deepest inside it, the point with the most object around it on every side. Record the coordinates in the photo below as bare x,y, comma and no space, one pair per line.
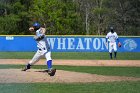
42,49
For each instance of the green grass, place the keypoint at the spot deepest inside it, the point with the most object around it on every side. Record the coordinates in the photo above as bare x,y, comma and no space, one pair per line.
16,55
110,87
110,71
72,55
113,87
115,71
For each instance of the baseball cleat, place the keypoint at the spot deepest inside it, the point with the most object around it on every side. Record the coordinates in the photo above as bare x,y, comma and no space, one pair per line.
24,69
52,72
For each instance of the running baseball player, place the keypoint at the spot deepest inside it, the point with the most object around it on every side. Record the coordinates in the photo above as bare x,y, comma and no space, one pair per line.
111,39
43,49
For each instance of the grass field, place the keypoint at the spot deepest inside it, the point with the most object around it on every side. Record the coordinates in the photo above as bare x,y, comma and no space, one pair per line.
113,87
72,55
110,87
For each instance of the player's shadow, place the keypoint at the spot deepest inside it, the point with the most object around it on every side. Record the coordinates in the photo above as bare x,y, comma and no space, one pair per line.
43,71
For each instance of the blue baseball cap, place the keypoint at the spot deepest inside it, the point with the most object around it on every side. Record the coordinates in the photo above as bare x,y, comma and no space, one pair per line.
36,24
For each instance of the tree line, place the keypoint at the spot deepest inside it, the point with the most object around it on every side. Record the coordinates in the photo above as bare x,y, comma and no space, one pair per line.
70,17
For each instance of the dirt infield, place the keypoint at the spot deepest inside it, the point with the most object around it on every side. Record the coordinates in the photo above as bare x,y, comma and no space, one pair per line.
37,75
77,62
34,75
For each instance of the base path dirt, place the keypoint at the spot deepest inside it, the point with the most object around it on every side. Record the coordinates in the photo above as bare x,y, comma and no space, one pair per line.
77,62
36,75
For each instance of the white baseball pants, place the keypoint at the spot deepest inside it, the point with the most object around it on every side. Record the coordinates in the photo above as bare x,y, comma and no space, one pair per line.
112,46
39,54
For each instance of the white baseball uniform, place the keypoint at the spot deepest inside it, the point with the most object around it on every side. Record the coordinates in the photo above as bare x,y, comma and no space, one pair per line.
112,37
43,49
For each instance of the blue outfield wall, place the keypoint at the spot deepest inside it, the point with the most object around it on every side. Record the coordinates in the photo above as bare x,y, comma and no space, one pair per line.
67,44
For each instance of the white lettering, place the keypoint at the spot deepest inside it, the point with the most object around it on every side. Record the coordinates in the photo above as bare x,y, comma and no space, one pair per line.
51,42
96,43
61,42
88,40
71,43
9,38
104,43
80,44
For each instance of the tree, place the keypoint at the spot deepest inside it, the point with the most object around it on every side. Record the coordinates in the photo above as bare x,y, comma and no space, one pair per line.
15,19
126,16
57,15
66,17
84,10
101,16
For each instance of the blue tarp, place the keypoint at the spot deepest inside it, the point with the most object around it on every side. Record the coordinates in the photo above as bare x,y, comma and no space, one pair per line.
68,44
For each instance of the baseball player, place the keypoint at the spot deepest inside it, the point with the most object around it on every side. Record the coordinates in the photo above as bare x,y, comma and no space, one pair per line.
43,49
111,39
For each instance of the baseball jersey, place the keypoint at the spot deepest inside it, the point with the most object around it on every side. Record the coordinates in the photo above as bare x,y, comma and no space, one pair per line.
42,44
112,37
